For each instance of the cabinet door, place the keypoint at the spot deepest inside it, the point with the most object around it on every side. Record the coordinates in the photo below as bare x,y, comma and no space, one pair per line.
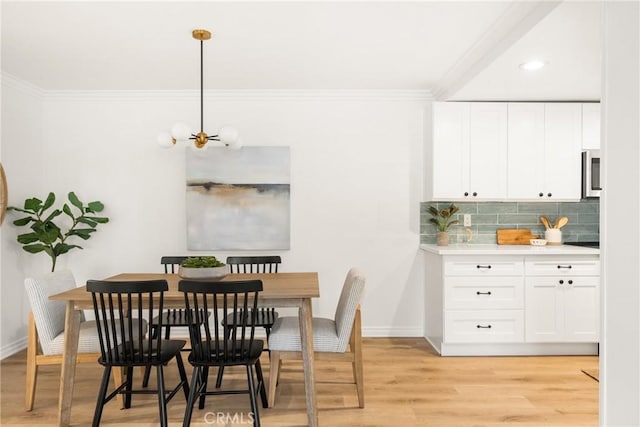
582,309
544,310
488,151
562,164
591,126
450,150
526,156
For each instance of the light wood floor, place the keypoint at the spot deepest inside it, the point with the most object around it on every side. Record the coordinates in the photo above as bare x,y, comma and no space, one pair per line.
406,384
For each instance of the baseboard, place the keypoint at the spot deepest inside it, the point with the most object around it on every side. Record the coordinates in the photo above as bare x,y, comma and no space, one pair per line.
12,348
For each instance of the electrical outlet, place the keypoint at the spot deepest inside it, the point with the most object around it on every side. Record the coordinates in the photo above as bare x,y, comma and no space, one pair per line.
467,220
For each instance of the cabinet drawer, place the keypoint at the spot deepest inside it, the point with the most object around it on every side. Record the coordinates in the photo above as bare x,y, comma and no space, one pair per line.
478,293
562,266
483,266
484,326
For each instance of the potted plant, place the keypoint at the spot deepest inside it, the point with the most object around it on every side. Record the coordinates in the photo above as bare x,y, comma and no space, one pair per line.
203,267
442,219
47,236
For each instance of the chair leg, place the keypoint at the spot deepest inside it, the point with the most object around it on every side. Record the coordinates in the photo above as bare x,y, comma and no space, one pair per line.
219,377
129,387
274,373
162,400
32,367
355,342
193,392
262,390
145,378
252,396
118,380
204,381
183,376
101,396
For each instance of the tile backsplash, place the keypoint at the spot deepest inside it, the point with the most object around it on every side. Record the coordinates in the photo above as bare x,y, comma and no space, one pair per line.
487,217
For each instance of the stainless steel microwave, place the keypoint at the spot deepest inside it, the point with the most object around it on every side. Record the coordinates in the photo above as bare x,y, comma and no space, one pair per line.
591,186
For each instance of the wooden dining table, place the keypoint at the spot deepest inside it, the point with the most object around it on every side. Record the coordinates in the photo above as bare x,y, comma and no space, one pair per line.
279,290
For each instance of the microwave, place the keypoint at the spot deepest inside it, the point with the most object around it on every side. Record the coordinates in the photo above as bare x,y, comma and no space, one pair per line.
591,186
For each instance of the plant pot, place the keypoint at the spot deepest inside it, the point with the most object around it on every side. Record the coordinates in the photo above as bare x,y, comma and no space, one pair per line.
442,238
215,273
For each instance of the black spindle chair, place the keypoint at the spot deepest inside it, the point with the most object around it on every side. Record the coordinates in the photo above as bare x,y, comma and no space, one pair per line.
124,342
264,316
213,348
171,318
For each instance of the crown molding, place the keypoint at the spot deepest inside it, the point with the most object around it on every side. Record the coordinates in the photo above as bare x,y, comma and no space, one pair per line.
240,95
518,19
13,82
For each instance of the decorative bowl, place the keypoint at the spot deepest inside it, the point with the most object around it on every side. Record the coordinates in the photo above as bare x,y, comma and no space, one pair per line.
538,242
214,273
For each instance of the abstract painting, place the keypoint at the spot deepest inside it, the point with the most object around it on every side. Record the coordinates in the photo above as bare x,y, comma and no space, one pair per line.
238,199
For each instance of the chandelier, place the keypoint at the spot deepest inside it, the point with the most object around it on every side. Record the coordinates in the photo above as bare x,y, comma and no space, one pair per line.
180,132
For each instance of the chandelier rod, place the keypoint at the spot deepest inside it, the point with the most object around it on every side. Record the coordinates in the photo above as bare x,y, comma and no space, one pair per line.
201,86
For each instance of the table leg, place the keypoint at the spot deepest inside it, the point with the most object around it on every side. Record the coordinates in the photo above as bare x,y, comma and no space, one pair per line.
306,336
68,371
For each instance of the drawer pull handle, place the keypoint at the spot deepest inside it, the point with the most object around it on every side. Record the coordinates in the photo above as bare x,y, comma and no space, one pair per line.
483,266
483,293
570,282
483,327
564,266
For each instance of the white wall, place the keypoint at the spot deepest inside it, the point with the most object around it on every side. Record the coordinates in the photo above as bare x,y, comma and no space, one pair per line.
620,355
23,163
356,183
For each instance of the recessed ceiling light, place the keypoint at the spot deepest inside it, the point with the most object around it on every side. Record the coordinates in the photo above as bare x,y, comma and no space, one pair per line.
532,65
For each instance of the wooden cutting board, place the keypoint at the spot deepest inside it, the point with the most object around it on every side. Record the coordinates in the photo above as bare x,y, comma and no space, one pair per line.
512,236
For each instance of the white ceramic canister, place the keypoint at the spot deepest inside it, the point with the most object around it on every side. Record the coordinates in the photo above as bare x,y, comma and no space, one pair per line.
553,236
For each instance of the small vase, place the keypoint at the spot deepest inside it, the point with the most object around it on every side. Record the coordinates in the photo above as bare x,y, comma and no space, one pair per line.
442,238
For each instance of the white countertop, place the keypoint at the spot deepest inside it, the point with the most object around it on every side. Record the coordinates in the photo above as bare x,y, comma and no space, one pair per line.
493,249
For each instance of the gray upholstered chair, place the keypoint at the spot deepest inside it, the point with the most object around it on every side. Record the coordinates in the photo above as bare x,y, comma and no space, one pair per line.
338,339
45,329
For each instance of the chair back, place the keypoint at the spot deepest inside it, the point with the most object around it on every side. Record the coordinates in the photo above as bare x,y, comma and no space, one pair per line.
171,262
119,307
350,299
254,264
48,314
223,299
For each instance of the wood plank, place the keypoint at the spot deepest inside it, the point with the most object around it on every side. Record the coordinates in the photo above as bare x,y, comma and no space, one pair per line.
513,236
406,384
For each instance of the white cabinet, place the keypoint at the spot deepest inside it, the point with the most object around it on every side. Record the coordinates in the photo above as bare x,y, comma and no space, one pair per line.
591,126
469,151
483,300
562,300
544,145
508,304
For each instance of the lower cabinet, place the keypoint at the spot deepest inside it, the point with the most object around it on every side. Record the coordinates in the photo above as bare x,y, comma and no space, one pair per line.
494,305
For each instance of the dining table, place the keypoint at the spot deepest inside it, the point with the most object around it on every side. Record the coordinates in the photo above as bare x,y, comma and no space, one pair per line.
279,290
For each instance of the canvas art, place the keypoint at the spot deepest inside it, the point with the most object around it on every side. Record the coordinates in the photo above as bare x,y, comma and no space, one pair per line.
238,199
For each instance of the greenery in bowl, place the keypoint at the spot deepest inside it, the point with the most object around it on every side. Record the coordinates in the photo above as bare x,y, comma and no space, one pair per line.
442,218
202,262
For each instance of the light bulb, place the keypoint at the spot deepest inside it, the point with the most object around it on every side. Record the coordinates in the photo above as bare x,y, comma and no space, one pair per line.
180,131
228,135
165,140
236,145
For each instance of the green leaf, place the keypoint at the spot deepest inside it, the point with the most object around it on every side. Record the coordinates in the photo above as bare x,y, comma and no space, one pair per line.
52,215
50,233
95,206
88,221
99,219
67,210
75,201
23,221
83,233
34,249
51,198
33,204
27,238
63,248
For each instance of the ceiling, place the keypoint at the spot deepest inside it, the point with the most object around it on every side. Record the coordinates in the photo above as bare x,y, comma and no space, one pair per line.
452,49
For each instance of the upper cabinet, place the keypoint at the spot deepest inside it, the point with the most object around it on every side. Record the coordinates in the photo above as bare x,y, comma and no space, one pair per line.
591,126
544,151
508,151
466,138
